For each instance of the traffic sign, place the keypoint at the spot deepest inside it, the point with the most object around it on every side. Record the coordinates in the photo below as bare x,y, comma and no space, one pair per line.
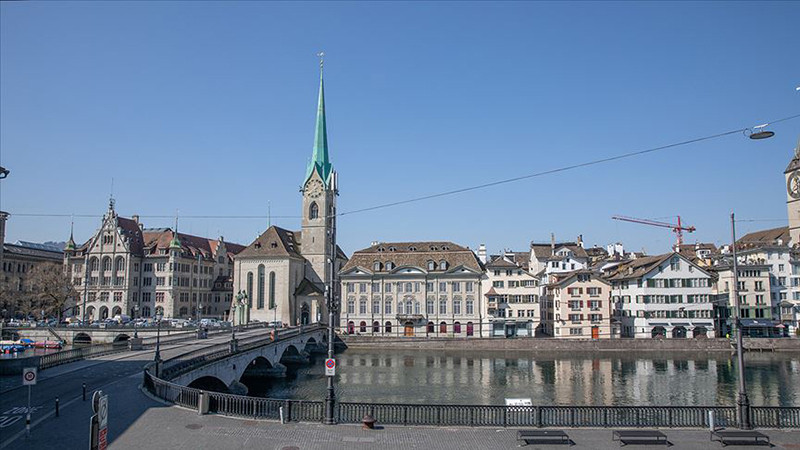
330,367
29,376
102,412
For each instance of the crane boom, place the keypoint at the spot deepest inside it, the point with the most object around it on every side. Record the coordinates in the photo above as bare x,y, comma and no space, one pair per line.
678,228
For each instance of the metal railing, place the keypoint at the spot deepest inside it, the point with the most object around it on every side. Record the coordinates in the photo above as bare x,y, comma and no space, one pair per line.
474,415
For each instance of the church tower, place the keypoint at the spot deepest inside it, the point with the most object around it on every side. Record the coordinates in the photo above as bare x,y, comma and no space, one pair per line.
320,188
792,174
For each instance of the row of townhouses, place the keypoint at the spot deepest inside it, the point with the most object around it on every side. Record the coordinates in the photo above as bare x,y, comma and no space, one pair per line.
430,288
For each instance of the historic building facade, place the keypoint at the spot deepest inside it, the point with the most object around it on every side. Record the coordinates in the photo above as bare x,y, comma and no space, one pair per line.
413,289
282,275
665,296
578,306
512,295
126,269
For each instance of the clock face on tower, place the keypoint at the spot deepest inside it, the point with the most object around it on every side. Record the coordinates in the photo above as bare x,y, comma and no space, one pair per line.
314,188
793,185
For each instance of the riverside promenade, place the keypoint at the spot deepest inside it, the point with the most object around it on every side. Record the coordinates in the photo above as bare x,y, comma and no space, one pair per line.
137,421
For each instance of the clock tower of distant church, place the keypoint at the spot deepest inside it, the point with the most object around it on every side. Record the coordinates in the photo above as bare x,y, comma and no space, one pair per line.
320,188
792,173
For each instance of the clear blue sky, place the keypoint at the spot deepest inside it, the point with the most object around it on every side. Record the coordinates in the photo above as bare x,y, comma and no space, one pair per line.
208,108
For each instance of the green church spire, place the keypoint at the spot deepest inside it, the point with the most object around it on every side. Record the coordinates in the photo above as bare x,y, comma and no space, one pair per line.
319,158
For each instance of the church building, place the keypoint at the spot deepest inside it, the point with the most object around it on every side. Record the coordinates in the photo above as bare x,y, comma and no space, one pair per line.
282,275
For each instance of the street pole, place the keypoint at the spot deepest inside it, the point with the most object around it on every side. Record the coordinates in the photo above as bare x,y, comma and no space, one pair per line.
157,357
742,402
330,300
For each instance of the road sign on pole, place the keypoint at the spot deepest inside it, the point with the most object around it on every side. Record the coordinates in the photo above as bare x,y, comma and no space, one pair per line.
330,367
29,376
99,421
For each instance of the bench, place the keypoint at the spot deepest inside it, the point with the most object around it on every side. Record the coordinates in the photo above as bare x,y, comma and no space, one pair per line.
740,437
626,437
543,437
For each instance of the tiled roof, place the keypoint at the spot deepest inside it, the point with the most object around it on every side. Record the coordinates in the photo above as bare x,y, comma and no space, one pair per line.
275,241
160,238
764,238
560,279
500,261
21,250
638,267
545,251
416,254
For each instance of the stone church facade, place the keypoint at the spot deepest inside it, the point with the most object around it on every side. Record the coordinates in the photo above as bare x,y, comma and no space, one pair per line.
282,275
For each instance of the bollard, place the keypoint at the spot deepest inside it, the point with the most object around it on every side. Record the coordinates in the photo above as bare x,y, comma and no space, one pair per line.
84,391
711,425
281,411
56,406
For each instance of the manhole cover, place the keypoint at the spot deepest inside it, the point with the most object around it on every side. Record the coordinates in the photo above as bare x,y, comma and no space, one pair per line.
194,426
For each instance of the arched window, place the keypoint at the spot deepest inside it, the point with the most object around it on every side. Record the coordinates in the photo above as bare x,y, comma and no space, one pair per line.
443,328
376,327
470,329
442,265
351,328
160,310
260,301
431,327
93,263
106,264
250,289
313,211
389,265
457,328
272,290
362,327
376,266
388,327
119,264
431,265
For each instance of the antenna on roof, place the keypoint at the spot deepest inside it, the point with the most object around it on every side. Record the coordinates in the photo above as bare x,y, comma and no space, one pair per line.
269,213
111,195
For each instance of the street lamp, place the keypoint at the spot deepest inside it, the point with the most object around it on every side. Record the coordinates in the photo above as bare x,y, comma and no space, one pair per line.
742,402
4,172
157,359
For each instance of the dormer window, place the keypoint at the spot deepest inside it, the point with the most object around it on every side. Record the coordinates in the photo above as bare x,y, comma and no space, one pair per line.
381,249
434,248
392,248
389,265
431,265
376,266
273,244
412,249
443,265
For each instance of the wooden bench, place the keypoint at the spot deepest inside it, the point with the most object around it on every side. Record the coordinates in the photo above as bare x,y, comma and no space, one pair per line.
626,437
543,437
740,437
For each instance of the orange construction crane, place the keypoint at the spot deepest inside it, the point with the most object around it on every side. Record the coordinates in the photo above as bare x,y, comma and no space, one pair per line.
678,229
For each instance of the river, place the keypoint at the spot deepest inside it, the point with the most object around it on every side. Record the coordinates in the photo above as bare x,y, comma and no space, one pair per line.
488,377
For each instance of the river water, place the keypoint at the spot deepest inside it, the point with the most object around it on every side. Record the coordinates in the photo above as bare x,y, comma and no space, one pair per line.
488,377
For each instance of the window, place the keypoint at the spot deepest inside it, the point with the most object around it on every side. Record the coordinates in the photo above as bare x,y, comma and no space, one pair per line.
443,286
429,286
376,266
362,288
388,287
362,307
159,297
145,297
147,281
261,280
442,306
429,306
498,284
468,286
443,328
351,306
159,281
457,307
148,267
456,286
376,287
117,296
431,265
575,331
457,328
376,327
376,307
442,265
470,307
387,307
313,211
350,287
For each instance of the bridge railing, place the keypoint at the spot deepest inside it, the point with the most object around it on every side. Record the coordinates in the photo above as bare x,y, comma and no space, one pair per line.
473,415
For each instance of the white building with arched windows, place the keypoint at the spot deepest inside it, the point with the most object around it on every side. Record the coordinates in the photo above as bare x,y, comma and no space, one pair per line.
411,289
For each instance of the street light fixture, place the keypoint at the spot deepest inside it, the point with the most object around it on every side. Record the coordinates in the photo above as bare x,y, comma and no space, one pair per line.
742,401
759,132
4,172
157,358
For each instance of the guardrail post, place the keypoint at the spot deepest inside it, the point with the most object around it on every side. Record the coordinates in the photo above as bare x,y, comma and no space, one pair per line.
505,417
405,415
287,408
669,416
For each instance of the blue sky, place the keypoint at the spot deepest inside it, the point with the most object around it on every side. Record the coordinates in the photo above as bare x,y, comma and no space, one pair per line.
208,108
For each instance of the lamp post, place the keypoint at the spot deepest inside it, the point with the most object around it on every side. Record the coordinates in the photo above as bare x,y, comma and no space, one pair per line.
332,305
135,316
742,402
157,359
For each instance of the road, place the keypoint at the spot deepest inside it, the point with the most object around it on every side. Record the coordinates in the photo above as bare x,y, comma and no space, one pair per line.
65,383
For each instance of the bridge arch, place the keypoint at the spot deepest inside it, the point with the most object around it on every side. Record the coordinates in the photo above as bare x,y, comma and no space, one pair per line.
121,338
210,383
81,339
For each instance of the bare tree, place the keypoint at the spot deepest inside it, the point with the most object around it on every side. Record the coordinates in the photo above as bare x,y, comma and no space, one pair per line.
51,290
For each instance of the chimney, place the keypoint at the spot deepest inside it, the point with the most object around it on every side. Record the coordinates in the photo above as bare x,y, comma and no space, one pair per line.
580,240
552,243
482,253
373,243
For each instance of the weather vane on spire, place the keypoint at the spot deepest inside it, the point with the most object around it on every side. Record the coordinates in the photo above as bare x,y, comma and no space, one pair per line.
321,56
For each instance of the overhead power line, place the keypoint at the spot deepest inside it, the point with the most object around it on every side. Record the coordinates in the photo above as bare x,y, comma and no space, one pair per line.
454,191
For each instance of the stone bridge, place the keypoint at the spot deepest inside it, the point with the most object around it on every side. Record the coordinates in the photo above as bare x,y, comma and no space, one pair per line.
293,346
83,336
